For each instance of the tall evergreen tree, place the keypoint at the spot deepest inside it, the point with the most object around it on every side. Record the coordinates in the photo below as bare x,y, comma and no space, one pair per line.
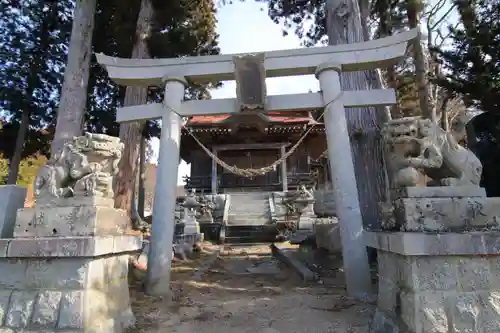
336,22
473,63
33,36
160,30
71,111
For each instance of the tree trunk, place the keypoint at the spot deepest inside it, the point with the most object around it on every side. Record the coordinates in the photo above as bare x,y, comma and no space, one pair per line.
385,29
21,136
445,124
344,27
413,12
49,19
76,76
142,176
131,133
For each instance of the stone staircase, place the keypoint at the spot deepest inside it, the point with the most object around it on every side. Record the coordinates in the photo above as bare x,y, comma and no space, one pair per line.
249,218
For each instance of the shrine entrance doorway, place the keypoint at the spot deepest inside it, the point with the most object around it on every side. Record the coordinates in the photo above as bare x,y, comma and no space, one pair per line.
249,159
327,63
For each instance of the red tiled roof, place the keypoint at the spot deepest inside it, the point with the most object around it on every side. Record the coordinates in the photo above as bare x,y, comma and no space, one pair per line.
277,117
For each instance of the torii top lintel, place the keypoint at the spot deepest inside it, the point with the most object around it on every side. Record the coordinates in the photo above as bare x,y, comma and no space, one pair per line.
372,54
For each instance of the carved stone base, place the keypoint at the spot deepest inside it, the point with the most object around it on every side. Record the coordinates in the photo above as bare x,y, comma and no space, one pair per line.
438,192
70,284
85,216
447,214
437,283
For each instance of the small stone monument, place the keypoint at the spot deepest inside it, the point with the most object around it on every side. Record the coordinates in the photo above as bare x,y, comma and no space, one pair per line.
190,238
191,205
439,253
303,203
66,267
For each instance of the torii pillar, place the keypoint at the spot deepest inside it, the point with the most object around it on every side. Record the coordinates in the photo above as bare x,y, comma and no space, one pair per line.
162,230
345,190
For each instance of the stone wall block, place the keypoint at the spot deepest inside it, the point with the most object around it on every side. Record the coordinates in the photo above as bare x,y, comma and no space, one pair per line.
434,273
382,323
96,316
464,313
4,304
432,316
492,244
490,311
409,306
12,273
49,221
495,272
474,273
46,309
126,243
12,199
20,309
388,266
56,274
116,289
406,277
96,278
387,296
447,214
71,311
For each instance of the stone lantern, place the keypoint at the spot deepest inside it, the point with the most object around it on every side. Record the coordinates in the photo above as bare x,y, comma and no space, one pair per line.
304,205
191,205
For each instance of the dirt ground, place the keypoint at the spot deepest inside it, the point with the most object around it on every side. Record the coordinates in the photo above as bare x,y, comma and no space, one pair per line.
243,289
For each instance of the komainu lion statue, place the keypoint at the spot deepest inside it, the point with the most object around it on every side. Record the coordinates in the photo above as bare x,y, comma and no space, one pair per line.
415,144
84,167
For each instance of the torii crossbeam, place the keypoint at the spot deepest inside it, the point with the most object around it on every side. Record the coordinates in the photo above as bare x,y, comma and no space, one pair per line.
326,63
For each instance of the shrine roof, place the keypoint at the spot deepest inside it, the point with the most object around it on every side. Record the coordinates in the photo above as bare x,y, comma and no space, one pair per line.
274,117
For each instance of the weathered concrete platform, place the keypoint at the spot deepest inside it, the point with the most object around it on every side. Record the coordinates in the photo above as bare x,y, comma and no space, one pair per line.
70,284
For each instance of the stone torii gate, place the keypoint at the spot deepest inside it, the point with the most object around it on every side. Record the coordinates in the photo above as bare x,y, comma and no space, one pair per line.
326,63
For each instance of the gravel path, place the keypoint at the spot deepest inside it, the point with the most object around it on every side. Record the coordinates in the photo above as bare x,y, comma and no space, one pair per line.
243,289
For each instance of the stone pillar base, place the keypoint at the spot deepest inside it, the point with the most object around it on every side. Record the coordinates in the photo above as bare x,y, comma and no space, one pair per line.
327,234
433,283
12,199
307,218
70,284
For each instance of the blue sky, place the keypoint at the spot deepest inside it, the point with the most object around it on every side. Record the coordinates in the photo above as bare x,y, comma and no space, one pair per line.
243,27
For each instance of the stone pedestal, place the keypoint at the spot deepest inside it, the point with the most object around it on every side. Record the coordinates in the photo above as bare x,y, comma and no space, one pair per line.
444,275
76,216
445,209
437,283
12,199
307,217
191,226
327,234
70,284
324,203
66,269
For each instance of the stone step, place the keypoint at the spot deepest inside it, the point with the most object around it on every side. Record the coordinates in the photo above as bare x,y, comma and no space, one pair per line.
249,209
257,211
249,222
250,234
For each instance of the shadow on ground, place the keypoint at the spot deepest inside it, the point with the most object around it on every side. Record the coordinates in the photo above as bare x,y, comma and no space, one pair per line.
243,289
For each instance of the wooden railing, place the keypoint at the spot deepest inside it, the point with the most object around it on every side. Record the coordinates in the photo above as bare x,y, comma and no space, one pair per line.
204,183
198,182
